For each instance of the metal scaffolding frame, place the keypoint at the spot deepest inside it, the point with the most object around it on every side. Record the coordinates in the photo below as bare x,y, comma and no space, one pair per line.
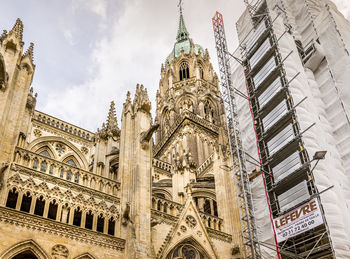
313,243
243,190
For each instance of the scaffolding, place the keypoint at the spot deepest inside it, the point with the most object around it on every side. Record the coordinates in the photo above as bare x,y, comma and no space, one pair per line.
244,195
285,161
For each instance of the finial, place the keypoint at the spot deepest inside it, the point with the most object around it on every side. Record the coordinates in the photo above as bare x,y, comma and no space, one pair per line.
182,32
180,6
30,51
18,29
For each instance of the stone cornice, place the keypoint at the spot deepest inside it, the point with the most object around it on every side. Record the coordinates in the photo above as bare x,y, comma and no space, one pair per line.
39,224
216,234
64,183
169,219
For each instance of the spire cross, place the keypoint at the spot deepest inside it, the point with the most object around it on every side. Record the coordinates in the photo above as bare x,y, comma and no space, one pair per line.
180,6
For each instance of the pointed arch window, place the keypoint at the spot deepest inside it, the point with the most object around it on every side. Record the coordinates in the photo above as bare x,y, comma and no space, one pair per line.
43,166
201,70
71,162
89,220
26,202
69,176
184,72
12,199
51,169
45,153
39,206
35,163
100,223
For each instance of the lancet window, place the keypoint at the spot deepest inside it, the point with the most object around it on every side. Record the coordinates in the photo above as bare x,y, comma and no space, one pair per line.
184,72
201,70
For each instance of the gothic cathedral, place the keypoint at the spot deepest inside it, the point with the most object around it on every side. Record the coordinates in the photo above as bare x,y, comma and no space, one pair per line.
150,189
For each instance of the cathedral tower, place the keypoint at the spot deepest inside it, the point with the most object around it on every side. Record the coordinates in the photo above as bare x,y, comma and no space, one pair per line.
189,154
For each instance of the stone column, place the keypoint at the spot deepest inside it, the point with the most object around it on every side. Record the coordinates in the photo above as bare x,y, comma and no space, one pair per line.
32,205
46,208
83,219
59,212
71,216
94,222
105,226
19,201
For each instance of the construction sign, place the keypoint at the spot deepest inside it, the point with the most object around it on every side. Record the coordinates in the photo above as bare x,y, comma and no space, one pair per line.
297,221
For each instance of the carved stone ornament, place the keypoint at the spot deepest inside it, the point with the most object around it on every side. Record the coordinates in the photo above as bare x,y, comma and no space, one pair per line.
191,221
59,252
60,148
37,133
183,228
84,150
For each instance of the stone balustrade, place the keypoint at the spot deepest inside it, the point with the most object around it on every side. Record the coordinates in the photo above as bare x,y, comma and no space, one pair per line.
162,165
211,221
64,171
166,206
62,125
205,164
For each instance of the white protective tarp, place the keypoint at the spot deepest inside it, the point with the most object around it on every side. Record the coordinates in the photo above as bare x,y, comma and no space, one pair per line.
325,82
327,92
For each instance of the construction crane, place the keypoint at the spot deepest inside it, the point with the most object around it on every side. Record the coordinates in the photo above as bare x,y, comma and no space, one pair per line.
243,190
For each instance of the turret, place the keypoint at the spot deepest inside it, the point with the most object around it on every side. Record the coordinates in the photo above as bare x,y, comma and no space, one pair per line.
17,102
135,173
106,160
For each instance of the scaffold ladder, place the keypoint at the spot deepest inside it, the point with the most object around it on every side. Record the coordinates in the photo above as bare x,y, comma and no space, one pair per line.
243,190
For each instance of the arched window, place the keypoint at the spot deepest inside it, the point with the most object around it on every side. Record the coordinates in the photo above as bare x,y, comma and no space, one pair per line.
35,163
184,71
159,205
165,207
201,71
62,173
209,112
71,162
111,226
12,199
77,217
26,201
207,206
69,176
52,210
45,153
215,208
51,169
43,166
26,255
88,220
187,250
39,206
100,223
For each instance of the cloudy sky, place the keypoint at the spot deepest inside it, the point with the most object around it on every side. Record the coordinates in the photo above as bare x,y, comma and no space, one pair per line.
89,52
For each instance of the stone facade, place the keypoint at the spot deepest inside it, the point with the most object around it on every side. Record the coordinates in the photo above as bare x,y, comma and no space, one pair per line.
66,192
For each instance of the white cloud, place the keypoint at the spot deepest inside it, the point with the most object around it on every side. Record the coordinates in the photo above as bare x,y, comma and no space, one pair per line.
132,52
68,35
98,7
132,49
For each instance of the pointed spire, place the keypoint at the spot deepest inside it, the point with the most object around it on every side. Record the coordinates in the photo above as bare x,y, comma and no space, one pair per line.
182,32
112,118
30,51
18,29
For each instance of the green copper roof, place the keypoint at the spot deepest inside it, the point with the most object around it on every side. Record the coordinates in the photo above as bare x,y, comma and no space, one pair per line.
183,42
